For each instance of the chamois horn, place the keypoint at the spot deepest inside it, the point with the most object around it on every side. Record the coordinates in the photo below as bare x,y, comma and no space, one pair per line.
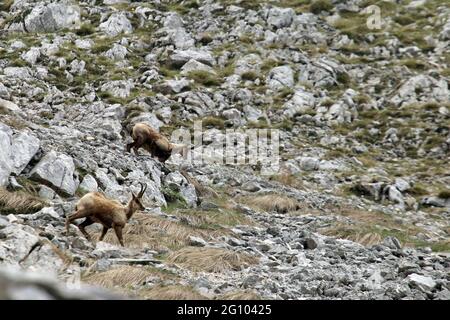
143,188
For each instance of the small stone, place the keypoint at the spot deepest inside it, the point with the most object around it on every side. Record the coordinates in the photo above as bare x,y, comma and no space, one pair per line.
197,241
422,282
310,243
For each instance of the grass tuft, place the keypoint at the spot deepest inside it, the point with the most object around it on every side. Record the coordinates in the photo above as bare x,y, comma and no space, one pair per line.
211,259
19,202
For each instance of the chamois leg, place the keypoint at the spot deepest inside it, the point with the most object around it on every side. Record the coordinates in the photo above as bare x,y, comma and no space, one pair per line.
129,146
138,143
118,230
76,215
104,231
83,225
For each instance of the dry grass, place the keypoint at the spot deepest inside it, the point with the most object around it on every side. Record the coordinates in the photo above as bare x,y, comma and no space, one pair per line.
213,219
19,202
272,202
172,292
370,227
211,259
354,233
289,180
240,295
158,233
125,277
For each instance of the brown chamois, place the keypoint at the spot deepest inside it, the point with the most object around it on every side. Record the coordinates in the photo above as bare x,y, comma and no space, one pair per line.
96,208
154,142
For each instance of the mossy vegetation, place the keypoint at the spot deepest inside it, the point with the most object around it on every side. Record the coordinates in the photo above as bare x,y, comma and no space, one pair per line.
317,6
213,122
205,78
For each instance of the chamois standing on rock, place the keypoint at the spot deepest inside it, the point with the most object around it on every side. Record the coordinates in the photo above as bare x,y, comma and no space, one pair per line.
96,208
154,142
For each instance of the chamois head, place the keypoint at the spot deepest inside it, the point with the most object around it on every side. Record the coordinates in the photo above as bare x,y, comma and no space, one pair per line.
135,202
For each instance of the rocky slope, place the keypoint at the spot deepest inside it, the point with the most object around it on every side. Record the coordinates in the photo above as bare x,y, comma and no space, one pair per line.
359,209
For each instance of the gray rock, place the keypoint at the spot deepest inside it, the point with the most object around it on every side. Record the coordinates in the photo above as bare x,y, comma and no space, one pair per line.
180,57
77,67
248,63
375,280
56,169
435,202
280,17
9,106
117,52
280,77
321,73
17,72
177,182
5,155
444,294
251,281
18,284
421,88
422,282
17,151
89,184
83,43
17,241
396,196
174,86
47,193
301,102
31,56
308,163
392,243
24,146
149,118
118,88
252,114
197,241
116,24
193,65
310,243
402,185
4,92
445,33
52,17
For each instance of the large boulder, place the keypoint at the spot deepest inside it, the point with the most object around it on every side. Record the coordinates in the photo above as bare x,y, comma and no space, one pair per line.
52,17
56,169
25,147
116,24
17,151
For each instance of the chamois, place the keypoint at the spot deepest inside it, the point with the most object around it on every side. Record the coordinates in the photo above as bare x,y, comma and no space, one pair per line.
96,208
154,142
